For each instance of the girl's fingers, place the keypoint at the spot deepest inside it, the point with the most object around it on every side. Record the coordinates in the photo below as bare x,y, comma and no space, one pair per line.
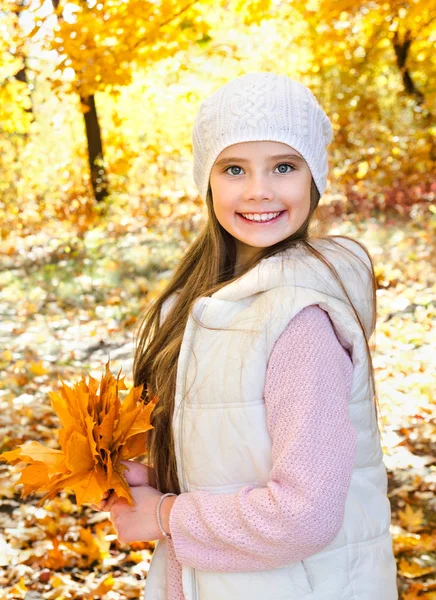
103,501
136,473
107,504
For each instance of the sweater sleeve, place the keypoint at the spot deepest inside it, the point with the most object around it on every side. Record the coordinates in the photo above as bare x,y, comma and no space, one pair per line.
301,508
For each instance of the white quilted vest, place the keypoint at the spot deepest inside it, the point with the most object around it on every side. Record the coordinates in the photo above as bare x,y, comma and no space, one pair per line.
221,438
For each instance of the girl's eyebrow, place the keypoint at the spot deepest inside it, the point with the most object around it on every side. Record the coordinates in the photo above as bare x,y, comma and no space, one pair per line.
294,157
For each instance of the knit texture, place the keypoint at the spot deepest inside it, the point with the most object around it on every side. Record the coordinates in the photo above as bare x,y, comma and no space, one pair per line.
261,106
300,511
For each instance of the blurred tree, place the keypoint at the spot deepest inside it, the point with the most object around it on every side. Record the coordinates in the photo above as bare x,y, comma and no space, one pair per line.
20,52
409,27
100,43
97,169
373,67
15,94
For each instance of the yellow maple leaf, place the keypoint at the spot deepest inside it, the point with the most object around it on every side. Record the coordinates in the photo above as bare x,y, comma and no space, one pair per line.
98,431
413,568
37,368
410,518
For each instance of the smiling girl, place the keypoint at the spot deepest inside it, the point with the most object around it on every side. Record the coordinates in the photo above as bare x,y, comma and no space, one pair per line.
266,476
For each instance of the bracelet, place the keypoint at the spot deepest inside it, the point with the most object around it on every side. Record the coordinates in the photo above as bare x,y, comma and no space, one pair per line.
159,522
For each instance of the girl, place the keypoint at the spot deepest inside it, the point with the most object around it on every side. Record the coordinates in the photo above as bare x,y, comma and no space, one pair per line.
266,476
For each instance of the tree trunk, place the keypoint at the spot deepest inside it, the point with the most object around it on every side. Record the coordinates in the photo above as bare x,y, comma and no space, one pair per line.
401,49
21,75
97,169
401,53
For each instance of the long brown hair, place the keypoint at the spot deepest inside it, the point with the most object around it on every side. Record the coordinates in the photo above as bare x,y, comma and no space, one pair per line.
207,265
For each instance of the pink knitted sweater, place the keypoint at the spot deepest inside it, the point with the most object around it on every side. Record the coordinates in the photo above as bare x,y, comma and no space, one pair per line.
307,390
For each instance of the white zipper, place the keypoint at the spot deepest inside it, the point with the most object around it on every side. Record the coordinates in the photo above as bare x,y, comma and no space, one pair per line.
185,484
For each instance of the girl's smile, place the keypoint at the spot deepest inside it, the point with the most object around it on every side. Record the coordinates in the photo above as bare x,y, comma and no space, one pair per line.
265,218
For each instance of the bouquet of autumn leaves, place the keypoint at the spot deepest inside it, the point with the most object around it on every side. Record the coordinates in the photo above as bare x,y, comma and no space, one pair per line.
98,431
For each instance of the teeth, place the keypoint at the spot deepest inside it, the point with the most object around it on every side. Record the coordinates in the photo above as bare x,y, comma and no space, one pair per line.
258,217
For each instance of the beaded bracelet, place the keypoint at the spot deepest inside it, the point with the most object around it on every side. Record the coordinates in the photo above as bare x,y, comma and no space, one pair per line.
159,522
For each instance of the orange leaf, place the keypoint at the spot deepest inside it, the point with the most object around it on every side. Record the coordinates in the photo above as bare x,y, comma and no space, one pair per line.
34,477
60,405
410,518
124,425
142,421
106,428
413,569
36,452
98,431
12,456
90,431
134,446
91,486
37,368
121,487
79,456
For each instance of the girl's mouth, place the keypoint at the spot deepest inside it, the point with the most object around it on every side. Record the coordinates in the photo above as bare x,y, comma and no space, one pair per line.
267,222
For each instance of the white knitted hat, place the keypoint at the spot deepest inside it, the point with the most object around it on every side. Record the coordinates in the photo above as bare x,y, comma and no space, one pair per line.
261,106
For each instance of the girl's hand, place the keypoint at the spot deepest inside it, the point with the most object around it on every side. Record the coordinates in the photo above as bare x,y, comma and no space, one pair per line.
136,523
139,474
136,475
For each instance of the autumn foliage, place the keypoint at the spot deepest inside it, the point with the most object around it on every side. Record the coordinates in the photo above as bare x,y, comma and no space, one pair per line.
98,431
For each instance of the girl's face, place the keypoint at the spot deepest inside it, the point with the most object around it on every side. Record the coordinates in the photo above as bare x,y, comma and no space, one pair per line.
263,179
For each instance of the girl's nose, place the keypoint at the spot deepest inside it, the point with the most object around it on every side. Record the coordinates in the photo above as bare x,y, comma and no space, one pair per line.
258,188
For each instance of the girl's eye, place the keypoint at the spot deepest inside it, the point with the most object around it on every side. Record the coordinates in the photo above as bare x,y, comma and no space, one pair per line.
232,167
280,165
286,165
